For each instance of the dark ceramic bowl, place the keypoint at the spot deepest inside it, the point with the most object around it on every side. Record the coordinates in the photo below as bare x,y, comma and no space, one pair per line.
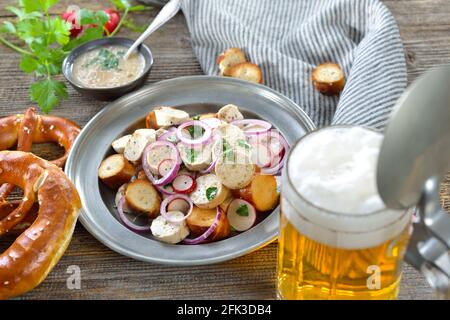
113,93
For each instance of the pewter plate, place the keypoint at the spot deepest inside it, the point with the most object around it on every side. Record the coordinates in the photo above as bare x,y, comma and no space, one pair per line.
196,94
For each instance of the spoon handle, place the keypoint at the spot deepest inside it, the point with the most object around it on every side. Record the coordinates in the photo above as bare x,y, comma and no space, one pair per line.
166,13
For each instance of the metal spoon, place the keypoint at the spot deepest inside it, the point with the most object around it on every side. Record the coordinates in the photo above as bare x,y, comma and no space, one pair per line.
166,13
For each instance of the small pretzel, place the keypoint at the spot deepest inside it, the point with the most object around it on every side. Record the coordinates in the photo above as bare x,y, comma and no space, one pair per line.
29,128
33,254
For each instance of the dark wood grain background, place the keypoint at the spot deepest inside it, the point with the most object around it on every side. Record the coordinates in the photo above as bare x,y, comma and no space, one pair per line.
425,30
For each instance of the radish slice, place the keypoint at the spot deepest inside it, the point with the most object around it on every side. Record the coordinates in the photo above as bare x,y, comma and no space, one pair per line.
171,174
241,214
261,155
204,237
252,126
184,183
165,166
126,221
196,123
168,200
278,160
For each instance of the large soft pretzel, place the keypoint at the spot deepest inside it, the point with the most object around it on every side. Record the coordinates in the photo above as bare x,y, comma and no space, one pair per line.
34,253
26,129
41,129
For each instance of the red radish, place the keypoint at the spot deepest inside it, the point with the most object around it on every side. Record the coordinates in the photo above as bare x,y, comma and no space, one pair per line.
71,16
178,205
261,155
165,166
114,19
241,214
184,183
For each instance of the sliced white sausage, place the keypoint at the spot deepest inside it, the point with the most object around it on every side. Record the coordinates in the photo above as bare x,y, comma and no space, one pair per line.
235,170
229,113
167,231
119,195
157,155
137,143
120,144
164,117
198,158
209,192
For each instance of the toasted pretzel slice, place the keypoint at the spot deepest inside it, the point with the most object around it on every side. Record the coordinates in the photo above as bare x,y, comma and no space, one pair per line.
228,59
247,71
34,253
328,78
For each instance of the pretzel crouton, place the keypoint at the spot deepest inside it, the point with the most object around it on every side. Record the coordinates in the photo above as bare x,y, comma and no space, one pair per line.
328,78
228,59
247,71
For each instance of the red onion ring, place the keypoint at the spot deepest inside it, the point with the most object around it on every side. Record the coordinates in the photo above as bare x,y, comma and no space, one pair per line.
276,167
164,190
266,125
203,238
165,136
210,168
168,200
212,122
126,221
171,174
204,139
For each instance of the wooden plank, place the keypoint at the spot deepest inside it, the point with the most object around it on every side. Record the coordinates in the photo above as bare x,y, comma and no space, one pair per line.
425,26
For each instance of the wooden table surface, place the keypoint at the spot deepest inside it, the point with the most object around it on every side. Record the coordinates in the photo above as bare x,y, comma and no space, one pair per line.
425,30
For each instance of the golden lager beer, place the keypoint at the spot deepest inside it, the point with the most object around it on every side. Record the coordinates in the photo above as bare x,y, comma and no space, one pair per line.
337,239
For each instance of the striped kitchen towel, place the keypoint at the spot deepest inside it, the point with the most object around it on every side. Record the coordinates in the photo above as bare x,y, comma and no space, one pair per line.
288,38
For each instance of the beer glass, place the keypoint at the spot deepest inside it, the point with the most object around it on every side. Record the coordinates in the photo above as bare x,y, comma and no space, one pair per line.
337,238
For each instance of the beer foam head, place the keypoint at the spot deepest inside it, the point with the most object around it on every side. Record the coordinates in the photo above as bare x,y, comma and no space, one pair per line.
330,194
335,169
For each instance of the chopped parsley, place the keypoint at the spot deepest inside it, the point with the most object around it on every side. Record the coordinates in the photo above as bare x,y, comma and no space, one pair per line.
244,144
242,211
227,150
106,59
191,154
172,138
196,117
211,193
195,131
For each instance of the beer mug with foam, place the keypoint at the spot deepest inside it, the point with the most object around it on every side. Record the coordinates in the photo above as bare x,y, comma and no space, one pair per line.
337,238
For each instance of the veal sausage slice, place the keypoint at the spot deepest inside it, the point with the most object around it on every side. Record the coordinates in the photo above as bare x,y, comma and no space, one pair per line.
209,192
229,113
235,171
169,232
137,143
120,144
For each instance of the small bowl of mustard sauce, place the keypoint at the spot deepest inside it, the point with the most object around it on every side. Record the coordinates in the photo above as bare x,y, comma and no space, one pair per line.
98,68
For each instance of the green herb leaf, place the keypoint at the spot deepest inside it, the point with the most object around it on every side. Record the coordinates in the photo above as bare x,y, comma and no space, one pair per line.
28,64
32,30
87,35
227,150
195,131
59,31
8,27
22,15
121,4
47,93
244,144
242,210
191,154
196,117
211,193
37,5
139,8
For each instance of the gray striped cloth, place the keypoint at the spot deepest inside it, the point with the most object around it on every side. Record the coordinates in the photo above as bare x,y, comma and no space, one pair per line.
288,38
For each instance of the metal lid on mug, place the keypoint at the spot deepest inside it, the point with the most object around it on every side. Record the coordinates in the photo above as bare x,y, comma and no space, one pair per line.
416,146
